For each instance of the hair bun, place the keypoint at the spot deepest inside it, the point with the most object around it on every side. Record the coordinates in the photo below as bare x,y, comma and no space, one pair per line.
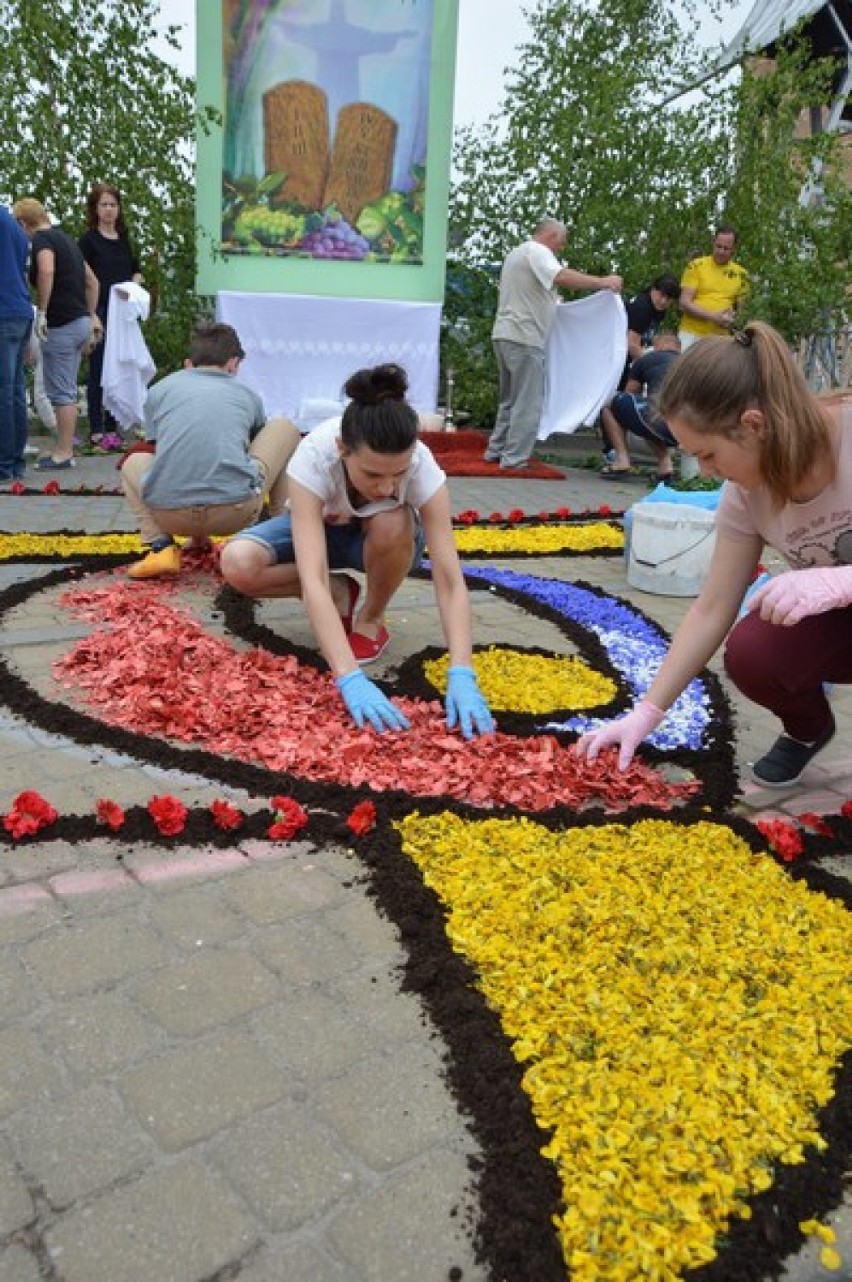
374,386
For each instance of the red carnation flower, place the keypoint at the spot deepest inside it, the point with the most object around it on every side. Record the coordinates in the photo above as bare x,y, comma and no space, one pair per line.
110,814
563,513
17,487
362,819
496,517
784,839
605,510
290,818
468,517
169,815
846,810
29,813
516,514
52,487
225,815
816,823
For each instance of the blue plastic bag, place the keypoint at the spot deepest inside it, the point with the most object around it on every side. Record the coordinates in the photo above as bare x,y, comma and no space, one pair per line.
662,493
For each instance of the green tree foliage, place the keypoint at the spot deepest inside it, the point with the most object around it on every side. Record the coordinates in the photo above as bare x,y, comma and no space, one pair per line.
85,99
789,196
592,131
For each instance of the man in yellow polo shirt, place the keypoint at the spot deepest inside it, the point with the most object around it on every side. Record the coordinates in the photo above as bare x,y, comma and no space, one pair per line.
711,289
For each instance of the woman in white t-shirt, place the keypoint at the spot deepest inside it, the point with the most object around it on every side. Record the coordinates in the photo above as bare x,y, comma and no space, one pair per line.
365,494
742,407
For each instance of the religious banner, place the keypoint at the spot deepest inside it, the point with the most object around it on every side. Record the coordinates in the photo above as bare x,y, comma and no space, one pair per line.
334,145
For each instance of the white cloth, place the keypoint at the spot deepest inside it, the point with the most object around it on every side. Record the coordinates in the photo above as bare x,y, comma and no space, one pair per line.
317,464
586,352
128,366
300,348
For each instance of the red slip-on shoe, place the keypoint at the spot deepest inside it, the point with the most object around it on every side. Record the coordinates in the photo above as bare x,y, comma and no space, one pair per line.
366,649
353,587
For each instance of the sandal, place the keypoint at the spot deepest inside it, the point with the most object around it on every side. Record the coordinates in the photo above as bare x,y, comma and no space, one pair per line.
615,473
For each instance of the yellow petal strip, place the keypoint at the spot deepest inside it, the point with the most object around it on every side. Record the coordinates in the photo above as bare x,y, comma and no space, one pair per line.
679,1004
539,540
512,681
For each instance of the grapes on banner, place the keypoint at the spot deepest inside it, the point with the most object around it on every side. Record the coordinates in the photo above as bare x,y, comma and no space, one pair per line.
329,235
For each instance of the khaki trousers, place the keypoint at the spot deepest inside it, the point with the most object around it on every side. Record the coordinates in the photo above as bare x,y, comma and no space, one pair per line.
272,447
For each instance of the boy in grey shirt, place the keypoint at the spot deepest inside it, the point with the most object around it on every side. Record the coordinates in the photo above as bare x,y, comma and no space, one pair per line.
215,457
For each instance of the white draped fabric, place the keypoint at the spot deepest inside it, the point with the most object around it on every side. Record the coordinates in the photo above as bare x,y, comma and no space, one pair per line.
586,352
301,350
128,365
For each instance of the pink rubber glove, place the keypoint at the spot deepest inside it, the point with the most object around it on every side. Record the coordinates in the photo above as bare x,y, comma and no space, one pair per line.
628,732
787,598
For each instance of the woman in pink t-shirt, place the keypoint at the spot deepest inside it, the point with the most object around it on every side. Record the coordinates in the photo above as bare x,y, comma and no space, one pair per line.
742,408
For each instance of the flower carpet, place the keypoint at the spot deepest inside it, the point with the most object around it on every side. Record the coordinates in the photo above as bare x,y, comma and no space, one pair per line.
647,1001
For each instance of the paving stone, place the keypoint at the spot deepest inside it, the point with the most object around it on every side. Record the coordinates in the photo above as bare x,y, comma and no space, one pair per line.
373,935
97,889
26,912
195,918
285,1166
390,1015
297,1263
313,1036
80,1145
17,993
16,1204
162,873
178,1224
202,992
822,802
27,1074
390,1108
99,1033
18,1265
269,894
94,954
55,857
411,1229
305,950
191,1093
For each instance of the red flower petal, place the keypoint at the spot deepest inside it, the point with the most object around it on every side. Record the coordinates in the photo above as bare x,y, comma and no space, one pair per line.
110,814
362,819
254,706
169,815
225,815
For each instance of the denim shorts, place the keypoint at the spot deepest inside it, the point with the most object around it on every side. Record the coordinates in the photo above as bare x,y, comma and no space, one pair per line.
633,413
344,543
61,354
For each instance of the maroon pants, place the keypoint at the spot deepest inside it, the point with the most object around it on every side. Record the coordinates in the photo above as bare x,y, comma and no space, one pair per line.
783,669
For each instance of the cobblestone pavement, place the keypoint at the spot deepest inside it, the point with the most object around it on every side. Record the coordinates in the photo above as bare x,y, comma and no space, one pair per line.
207,1070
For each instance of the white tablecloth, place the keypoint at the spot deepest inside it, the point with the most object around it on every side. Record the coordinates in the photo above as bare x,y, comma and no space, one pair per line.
586,352
301,350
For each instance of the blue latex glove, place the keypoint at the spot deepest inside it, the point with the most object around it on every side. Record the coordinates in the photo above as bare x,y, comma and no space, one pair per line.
366,703
466,708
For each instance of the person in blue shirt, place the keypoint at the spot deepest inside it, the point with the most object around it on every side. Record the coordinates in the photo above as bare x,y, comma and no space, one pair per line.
16,319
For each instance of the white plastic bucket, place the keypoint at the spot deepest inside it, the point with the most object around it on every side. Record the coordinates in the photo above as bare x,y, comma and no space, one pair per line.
670,548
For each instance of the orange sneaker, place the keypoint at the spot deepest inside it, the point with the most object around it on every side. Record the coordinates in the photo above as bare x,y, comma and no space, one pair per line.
157,565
